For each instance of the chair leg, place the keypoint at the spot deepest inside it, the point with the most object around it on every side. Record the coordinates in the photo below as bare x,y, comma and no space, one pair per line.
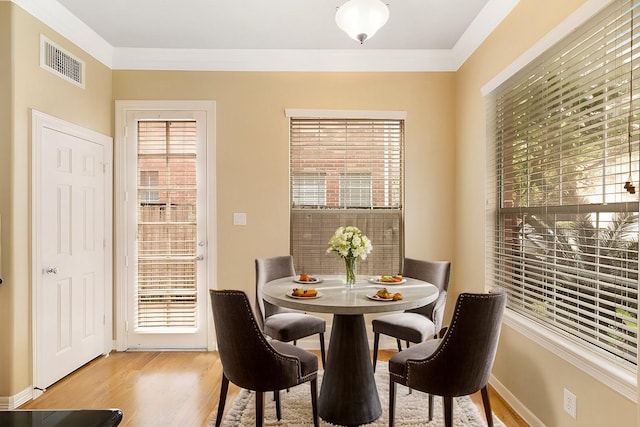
322,352
487,406
224,387
399,345
392,401
408,344
376,341
278,407
314,401
259,409
430,407
448,411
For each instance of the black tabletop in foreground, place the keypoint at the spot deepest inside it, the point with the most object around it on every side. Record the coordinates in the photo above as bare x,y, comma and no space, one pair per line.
61,418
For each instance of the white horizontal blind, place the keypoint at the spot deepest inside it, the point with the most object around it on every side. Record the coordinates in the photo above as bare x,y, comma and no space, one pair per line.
346,172
562,229
166,281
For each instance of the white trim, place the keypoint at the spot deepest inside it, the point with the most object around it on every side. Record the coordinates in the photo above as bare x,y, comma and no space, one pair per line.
344,114
381,60
53,14
617,378
9,403
493,13
515,403
577,18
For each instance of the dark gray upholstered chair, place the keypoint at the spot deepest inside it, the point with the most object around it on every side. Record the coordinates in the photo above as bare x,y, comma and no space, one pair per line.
279,323
459,363
418,324
252,362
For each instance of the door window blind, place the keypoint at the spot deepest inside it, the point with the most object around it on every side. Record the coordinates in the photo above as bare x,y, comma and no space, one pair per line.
166,281
346,172
562,229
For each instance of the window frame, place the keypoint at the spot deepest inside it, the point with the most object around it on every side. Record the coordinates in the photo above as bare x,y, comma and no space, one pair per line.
352,215
618,378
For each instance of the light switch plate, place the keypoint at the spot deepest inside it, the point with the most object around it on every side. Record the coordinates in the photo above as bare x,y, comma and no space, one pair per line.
239,218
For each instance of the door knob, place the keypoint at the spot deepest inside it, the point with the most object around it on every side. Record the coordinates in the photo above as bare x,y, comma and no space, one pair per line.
52,270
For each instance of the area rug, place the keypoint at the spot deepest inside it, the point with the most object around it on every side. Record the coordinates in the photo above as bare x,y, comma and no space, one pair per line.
411,408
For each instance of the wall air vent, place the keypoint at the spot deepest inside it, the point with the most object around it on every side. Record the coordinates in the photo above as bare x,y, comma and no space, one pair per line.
60,62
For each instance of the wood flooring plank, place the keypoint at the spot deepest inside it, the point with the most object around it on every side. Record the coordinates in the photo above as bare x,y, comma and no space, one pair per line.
168,389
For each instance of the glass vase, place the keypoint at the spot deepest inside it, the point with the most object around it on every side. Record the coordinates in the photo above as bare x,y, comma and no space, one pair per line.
351,267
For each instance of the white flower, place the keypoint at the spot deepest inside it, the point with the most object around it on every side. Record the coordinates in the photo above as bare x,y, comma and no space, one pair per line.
349,242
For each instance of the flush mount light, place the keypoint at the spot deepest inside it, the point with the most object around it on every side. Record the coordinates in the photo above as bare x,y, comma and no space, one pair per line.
360,19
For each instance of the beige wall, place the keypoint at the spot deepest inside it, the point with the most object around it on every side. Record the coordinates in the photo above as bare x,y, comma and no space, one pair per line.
533,375
6,128
252,150
33,88
445,175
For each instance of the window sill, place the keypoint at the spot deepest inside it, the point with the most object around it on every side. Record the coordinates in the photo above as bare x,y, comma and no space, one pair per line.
617,378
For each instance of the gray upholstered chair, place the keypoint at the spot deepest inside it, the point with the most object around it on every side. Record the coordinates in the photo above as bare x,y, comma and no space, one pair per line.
279,323
418,324
459,363
252,362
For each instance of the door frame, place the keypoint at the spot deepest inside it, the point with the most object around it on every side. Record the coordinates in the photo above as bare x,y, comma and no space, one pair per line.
39,121
122,108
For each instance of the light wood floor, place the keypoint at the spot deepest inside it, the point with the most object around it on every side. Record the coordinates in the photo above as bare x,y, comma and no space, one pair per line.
163,389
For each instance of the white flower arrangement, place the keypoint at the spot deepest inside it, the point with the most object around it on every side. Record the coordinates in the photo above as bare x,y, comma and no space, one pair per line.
349,242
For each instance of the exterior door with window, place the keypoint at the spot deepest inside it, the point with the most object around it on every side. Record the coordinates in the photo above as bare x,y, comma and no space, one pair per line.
166,229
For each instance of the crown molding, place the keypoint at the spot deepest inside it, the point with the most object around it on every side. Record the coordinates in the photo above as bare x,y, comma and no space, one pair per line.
487,20
283,60
577,18
51,13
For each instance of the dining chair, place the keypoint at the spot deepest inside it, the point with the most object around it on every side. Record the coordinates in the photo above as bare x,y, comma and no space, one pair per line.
418,324
280,323
459,363
253,363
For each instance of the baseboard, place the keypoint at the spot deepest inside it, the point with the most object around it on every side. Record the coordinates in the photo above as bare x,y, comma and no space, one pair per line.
9,403
515,404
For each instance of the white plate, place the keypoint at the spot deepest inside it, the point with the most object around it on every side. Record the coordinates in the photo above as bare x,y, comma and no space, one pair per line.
302,282
377,281
318,295
377,298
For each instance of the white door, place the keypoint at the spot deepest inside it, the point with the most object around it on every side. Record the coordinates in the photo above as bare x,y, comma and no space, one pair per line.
70,200
166,213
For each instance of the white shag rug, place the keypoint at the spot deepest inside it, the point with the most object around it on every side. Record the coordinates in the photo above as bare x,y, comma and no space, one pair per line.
411,408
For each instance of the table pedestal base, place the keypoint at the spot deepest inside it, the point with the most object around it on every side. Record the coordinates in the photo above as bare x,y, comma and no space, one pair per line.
348,394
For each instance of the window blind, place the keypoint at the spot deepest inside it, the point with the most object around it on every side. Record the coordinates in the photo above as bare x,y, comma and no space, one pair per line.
166,281
346,172
562,230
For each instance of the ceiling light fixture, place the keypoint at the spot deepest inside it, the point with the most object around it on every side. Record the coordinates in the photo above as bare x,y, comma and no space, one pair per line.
360,19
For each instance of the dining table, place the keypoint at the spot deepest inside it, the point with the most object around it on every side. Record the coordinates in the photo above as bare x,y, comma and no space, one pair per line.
348,394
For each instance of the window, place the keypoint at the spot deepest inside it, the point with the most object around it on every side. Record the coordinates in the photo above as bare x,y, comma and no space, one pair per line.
148,187
166,282
309,189
355,190
346,171
563,231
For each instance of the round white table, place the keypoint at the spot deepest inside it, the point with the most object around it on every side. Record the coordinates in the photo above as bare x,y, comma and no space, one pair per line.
348,393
